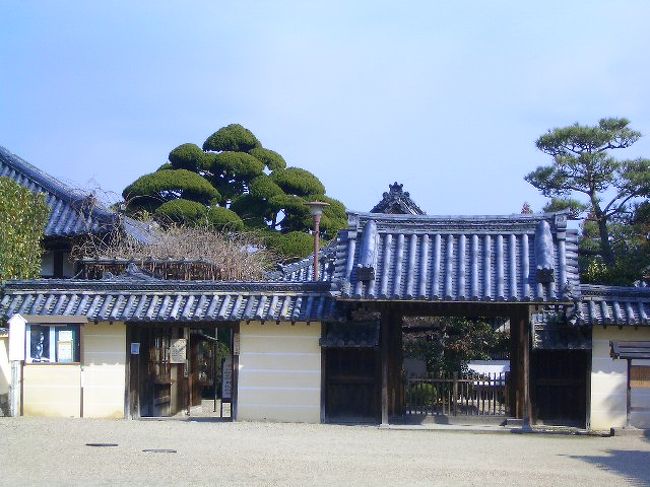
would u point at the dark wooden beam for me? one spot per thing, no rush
(514, 392)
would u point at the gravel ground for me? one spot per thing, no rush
(54, 452)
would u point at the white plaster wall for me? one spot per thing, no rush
(5, 370)
(104, 357)
(52, 390)
(279, 372)
(609, 381)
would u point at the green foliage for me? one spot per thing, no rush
(630, 245)
(252, 211)
(224, 219)
(424, 394)
(582, 165)
(187, 156)
(233, 137)
(290, 245)
(296, 212)
(230, 176)
(23, 217)
(236, 165)
(264, 188)
(151, 190)
(299, 182)
(271, 159)
(334, 216)
(575, 207)
(450, 342)
(181, 211)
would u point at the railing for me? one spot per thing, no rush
(457, 394)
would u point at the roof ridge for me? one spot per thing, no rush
(93, 212)
(607, 290)
(479, 218)
(43, 179)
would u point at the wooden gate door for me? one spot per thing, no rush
(352, 392)
(161, 384)
(559, 386)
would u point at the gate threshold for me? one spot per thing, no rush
(494, 429)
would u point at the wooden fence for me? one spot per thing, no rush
(466, 394)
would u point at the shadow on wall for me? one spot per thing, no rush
(631, 465)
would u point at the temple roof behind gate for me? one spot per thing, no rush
(521, 258)
(72, 212)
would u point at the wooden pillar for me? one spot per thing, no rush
(524, 403)
(513, 404)
(384, 358)
(396, 366)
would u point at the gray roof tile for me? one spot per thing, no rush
(476, 258)
(72, 213)
(169, 301)
(613, 305)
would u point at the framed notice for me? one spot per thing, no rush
(226, 379)
(135, 348)
(178, 351)
(64, 351)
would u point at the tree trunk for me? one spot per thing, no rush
(603, 232)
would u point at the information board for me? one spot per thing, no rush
(226, 379)
(178, 351)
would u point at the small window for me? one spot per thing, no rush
(53, 344)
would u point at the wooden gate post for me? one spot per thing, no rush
(523, 322)
(385, 342)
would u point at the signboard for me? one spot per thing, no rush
(64, 351)
(135, 348)
(235, 344)
(178, 351)
(226, 379)
(65, 335)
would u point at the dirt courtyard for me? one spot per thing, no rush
(54, 452)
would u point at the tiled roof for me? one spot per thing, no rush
(397, 201)
(72, 213)
(613, 305)
(144, 300)
(569, 327)
(525, 258)
(303, 270)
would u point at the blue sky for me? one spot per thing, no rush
(445, 97)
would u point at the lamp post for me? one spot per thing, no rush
(316, 209)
